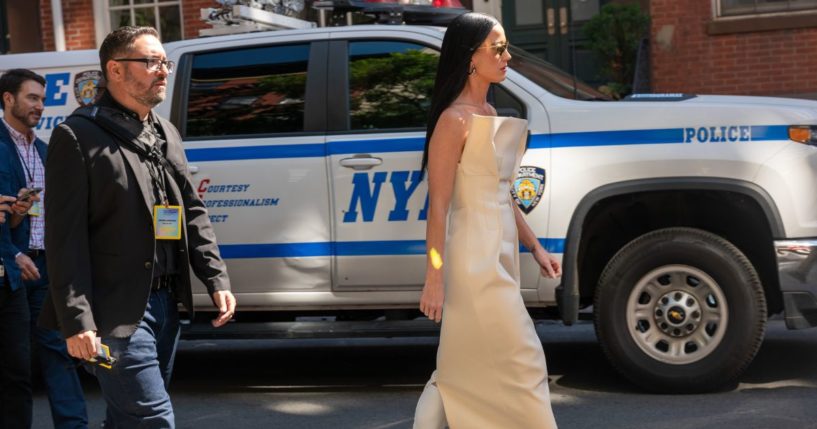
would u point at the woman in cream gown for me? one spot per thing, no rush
(491, 370)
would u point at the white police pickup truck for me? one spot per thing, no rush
(683, 221)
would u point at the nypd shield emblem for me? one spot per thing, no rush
(86, 85)
(528, 187)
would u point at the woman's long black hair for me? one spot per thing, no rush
(463, 37)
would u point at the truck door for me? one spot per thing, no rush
(376, 138)
(253, 123)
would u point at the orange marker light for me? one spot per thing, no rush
(800, 134)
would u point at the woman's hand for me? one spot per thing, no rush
(548, 265)
(431, 301)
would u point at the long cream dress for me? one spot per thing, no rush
(491, 370)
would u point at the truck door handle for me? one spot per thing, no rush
(192, 169)
(361, 162)
(563, 20)
(551, 16)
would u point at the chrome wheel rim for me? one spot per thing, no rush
(677, 314)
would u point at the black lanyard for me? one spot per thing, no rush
(156, 169)
(157, 164)
(24, 161)
(154, 157)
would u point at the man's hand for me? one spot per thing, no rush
(21, 207)
(82, 345)
(28, 270)
(225, 302)
(4, 207)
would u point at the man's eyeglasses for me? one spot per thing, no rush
(498, 48)
(153, 64)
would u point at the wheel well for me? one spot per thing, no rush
(615, 221)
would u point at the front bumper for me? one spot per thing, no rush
(797, 270)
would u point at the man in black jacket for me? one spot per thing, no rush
(124, 224)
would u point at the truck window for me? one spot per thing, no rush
(551, 78)
(505, 103)
(390, 84)
(248, 91)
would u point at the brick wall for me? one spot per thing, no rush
(47, 25)
(78, 18)
(191, 10)
(686, 59)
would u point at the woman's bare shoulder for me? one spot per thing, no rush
(456, 115)
(454, 121)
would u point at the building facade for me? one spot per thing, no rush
(750, 47)
(746, 47)
(35, 25)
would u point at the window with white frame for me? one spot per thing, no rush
(163, 15)
(755, 7)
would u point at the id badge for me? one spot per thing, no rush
(35, 209)
(167, 222)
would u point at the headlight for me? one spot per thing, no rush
(806, 134)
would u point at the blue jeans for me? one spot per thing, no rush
(15, 359)
(135, 388)
(59, 369)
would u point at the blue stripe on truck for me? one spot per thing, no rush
(415, 144)
(346, 248)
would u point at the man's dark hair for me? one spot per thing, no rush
(119, 42)
(12, 80)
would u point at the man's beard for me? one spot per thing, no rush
(148, 99)
(145, 97)
(19, 113)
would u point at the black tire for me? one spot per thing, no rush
(700, 269)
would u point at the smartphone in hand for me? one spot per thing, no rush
(27, 195)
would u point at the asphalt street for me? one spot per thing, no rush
(375, 383)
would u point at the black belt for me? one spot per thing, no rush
(162, 282)
(35, 253)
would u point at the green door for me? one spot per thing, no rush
(549, 28)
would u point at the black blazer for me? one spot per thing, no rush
(99, 230)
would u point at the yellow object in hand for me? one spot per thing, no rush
(436, 259)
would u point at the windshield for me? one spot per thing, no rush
(551, 78)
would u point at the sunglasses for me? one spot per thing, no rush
(498, 48)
